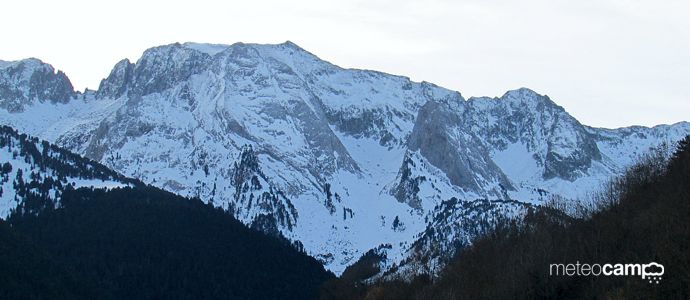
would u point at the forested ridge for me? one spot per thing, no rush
(146, 243)
(131, 241)
(34, 173)
(44, 156)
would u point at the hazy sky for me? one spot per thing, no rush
(610, 63)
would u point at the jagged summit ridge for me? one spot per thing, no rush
(563, 147)
(337, 155)
(26, 81)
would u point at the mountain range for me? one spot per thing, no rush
(340, 161)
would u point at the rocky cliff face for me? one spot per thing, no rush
(341, 160)
(24, 82)
(439, 137)
(562, 146)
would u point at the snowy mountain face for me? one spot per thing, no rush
(341, 160)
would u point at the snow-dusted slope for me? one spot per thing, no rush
(34, 173)
(342, 160)
(454, 224)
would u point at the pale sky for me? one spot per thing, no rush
(610, 63)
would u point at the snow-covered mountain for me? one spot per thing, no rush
(342, 160)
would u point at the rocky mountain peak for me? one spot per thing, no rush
(117, 82)
(524, 94)
(27, 81)
(561, 145)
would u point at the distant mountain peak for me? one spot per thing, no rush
(29, 80)
(522, 92)
(527, 96)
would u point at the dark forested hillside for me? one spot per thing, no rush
(643, 217)
(146, 243)
(28, 272)
(78, 230)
